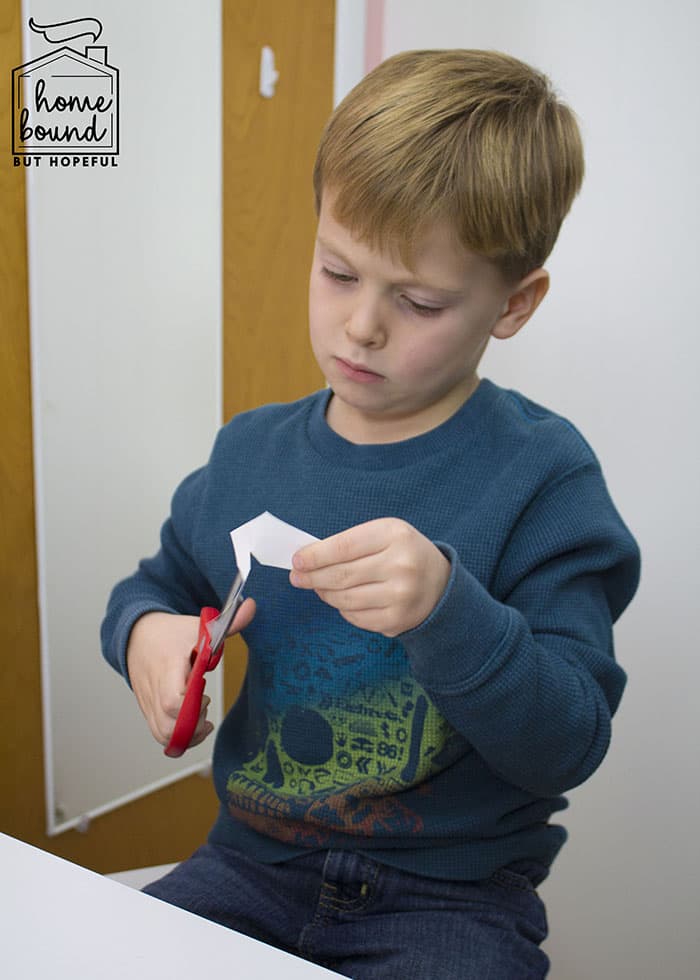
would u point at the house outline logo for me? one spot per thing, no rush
(66, 103)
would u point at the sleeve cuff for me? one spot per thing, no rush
(453, 649)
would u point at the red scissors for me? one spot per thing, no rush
(213, 627)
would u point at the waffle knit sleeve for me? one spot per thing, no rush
(525, 669)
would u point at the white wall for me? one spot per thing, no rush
(125, 290)
(615, 348)
(349, 61)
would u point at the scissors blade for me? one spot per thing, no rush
(219, 627)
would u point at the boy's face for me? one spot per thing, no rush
(399, 348)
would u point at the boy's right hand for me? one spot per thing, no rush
(158, 661)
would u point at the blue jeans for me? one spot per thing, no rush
(366, 920)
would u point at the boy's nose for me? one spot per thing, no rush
(365, 324)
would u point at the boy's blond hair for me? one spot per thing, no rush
(475, 137)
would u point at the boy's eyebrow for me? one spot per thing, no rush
(332, 248)
(446, 291)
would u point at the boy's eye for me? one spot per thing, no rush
(345, 278)
(337, 276)
(421, 309)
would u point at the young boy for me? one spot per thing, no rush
(438, 668)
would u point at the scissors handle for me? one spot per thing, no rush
(201, 661)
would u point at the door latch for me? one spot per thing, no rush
(268, 73)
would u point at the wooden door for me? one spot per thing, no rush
(268, 233)
(269, 220)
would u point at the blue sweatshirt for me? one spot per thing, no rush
(445, 750)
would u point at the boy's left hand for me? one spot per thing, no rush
(383, 576)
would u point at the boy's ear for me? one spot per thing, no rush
(522, 302)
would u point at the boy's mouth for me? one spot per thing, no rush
(357, 372)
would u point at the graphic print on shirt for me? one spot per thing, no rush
(336, 728)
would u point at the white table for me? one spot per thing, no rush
(60, 921)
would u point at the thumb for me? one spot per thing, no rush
(243, 617)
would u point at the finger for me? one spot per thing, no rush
(200, 735)
(357, 600)
(243, 616)
(344, 575)
(170, 704)
(154, 723)
(356, 542)
(203, 728)
(157, 733)
(162, 729)
(163, 724)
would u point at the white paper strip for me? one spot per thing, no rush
(270, 540)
